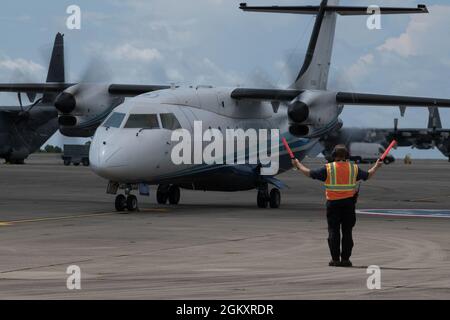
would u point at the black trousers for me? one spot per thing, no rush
(341, 215)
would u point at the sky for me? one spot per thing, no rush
(213, 42)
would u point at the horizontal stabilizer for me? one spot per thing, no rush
(342, 10)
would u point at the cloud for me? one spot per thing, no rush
(21, 66)
(129, 52)
(419, 38)
(415, 62)
(361, 67)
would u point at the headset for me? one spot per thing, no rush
(347, 154)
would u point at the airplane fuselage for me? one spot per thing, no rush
(137, 155)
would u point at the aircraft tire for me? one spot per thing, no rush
(120, 203)
(261, 200)
(275, 198)
(174, 195)
(132, 203)
(162, 195)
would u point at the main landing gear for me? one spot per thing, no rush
(128, 202)
(264, 198)
(169, 193)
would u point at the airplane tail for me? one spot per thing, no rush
(434, 119)
(316, 66)
(56, 69)
(315, 70)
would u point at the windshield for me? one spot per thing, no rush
(147, 121)
(169, 121)
(115, 120)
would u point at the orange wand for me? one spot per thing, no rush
(393, 143)
(286, 145)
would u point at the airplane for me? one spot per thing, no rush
(434, 136)
(132, 147)
(24, 129)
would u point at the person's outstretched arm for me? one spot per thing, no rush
(374, 169)
(297, 164)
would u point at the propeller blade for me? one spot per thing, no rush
(19, 97)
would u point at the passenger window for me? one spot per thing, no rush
(169, 121)
(142, 121)
(114, 120)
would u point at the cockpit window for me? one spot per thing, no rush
(142, 121)
(169, 121)
(114, 120)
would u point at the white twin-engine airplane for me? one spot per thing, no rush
(133, 147)
(127, 154)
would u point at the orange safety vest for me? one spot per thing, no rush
(341, 180)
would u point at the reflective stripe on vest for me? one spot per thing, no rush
(341, 180)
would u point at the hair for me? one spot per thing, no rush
(341, 152)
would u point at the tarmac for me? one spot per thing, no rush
(218, 245)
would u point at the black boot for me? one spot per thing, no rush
(346, 264)
(334, 263)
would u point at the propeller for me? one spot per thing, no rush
(96, 72)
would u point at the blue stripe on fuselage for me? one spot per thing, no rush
(201, 168)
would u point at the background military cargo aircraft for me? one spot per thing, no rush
(132, 147)
(434, 136)
(23, 129)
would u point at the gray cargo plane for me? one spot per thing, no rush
(132, 147)
(23, 129)
(434, 136)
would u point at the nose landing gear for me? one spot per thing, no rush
(128, 202)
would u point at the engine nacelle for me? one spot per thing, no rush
(77, 126)
(85, 100)
(311, 112)
(83, 107)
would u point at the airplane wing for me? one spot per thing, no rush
(125, 90)
(351, 98)
(265, 94)
(345, 98)
(10, 109)
(34, 87)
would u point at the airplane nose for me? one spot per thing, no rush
(105, 159)
(65, 102)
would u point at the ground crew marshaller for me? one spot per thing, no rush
(340, 179)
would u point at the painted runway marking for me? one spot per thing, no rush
(420, 213)
(13, 222)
